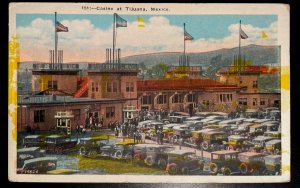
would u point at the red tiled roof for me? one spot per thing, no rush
(178, 84)
(249, 69)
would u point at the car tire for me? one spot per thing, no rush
(82, 151)
(149, 161)
(118, 154)
(226, 171)
(92, 153)
(205, 145)
(173, 170)
(185, 171)
(244, 168)
(213, 167)
(162, 163)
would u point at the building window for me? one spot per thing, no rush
(146, 100)
(52, 84)
(177, 98)
(262, 101)
(162, 99)
(225, 97)
(76, 113)
(110, 112)
(254, 103)
(39, 116)
(205, 103)
(93, 86)
(97, 87)
(111, 86)
(129, 86)
(242, 101)
(254, 84)
(115, 87)
(191, 97)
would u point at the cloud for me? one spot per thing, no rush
(85, 42)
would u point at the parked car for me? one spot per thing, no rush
(59, 143)
(156, 155)
(91, 146)
(28, 153)
(33, 141)
(273, 147)
(273, 134)
(123, 150)
(272, 164)
(38, 165)
(177, 119)
(183, 162)
(259, 143)
(239, 143)
(243, 129)
(140, 153)
(252, 163)
(257, 130)
(225, 162)
(213, 140)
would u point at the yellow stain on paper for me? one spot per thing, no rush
(286, 168)
(285, 77)
(13, 62)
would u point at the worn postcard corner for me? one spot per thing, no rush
(147, 93)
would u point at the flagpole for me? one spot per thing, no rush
(114, 37)
(184, 39)
(56, 39)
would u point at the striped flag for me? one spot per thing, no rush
(120, 22)
(140, 22)
(243, 35)
(187, 36)
(60, 27)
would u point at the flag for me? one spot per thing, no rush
(141, 22)
(120, 22)
(264, 35)
(243, 34)
(60, 27)
(187, 36)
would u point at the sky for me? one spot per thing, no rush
(90, 35)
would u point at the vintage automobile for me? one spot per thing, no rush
(91, 146)
(156, 155)
(123, 150)
(38, 165)
(224, 161)
(28, 153)
(177, 119)
(140, 153)
(257, 130)
(273, 147)
(33, 141)
(59, 143)
(183, 162)
(239, 143)
(180, 132)
(251, 113)
(194, 124)
(243, 129)
(259, 143)
(213, 140)
(272, 164)
(273, 134)
(252, 163)
(274, 115)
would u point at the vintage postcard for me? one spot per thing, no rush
(150, 93)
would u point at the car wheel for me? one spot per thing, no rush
(205, 145)
(255, 172)
(227, 171)
(149, 161)
(82, 151)
(118, 154)
(93, 153)
(185, 171)
(162, 163)
(173, 169)
(213, 167)
(243, 168)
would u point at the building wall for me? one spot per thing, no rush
(241, 80)
(27, 115)
(256, 100)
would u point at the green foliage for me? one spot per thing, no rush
(268, 83)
